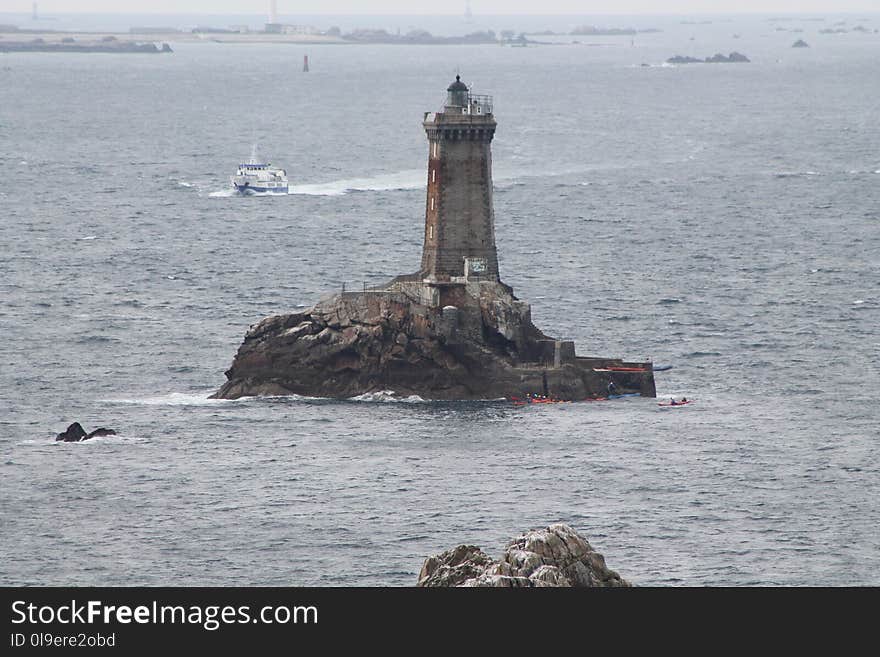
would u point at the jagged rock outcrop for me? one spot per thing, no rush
(75, 433)
(554, 556)
(479, 343)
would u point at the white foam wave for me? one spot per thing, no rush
(413, 179)
(38, 441)
(185, 184)
(97, 440)
(105, 440)
(222, 193)
(387, 396)
(171, 399)
(202, 399)
(796, 174)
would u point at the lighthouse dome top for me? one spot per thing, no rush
(458, 94)
(460, 100)
(458, 85)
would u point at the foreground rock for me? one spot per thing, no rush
(75, 433)
(554, 556)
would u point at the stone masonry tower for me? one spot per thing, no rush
(459, 217)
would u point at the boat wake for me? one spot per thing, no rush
(227, 193)
(399, 181)
(402, 180)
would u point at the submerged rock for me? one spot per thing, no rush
(800, 43)
(554, 556)
(75, 433)
(100, 432)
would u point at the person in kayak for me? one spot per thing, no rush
(612, 389)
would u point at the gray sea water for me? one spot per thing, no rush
(724, 220)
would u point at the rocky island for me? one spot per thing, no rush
(452, 329)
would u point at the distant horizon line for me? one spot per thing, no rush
(835, 12)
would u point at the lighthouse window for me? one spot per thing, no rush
(434, 146)
(433, 175)
(430, 232)
(432, 202)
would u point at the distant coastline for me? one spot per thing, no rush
(107, 44)
(137, 38)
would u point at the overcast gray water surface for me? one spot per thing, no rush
(723, 219)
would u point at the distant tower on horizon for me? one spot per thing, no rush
(305, 63)
(459, 215)
(468, 16)
(273, 11)
(35, 15)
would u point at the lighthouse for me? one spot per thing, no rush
(459, 216)
(450, 330)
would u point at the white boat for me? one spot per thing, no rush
(255, 177)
